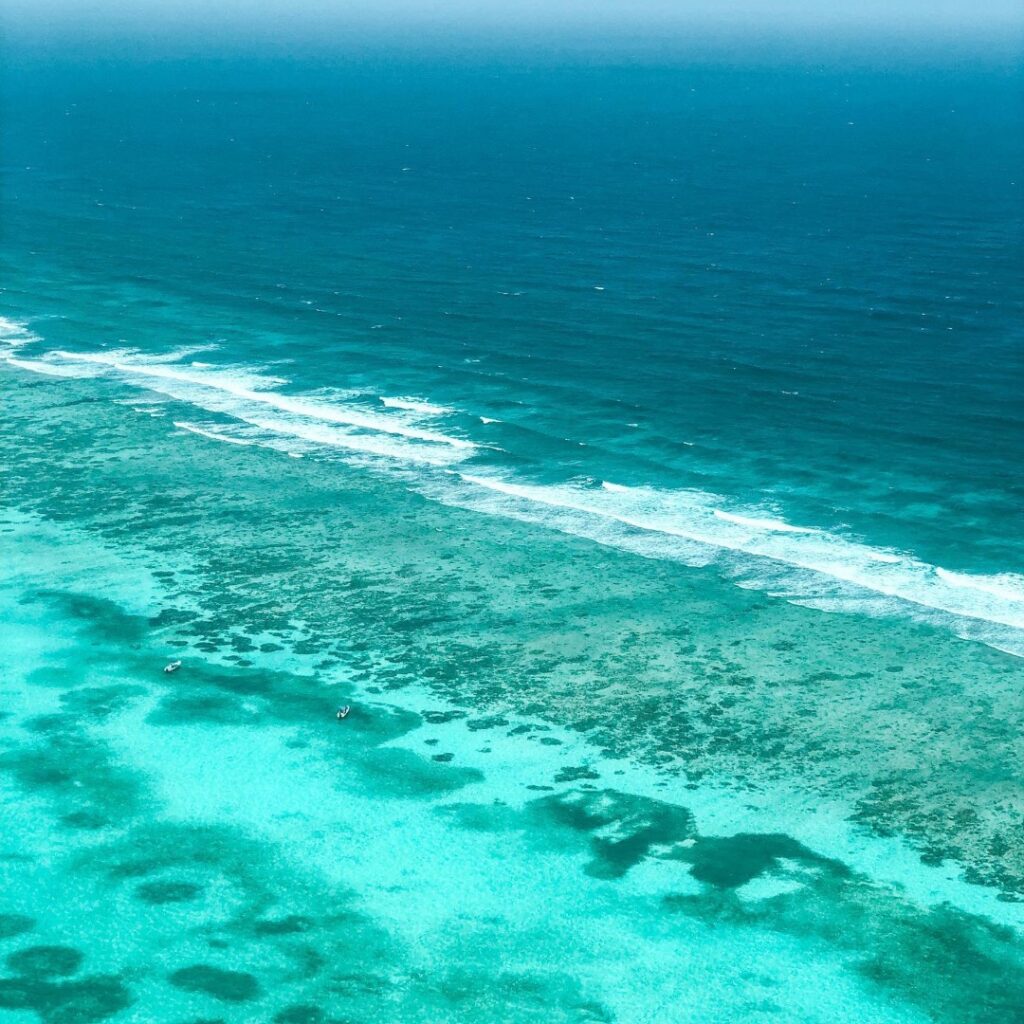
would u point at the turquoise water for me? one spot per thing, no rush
(635, 446)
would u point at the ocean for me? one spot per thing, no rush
(633, 442)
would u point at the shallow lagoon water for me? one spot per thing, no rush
(423, 861)
(223, 820)
(650, 723)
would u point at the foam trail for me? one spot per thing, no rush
(174, 355)
(14, 334)
(1004, 586)
(49, 369)
(415, 405)
(761, 524)
(753, 547)
(212, 435)
(883, 556)
(239, 394)
(221, 381)
(575, 500)
(363, 444)
(804, 565)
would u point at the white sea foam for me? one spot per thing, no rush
(1003, 586)
(49, 369)
(326, 436)
(211, 434)
(416, 405)
(14, 334)
(174, 355)
(486, 419)
(587, 501)
(210, 388)
(755, 548)
(804, 565)
(761, 524)
(247, 397)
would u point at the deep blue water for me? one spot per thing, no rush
(809, 274)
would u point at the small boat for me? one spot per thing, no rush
(173, 667)
(342, 713)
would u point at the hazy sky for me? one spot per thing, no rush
(166, 27)
(525, 13)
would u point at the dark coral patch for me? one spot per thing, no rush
(81, 1002)
(631, 826)
(99, 702)
(189, 709)
(103, 619)
(727, 862)
(15, 924)
(573, 774)
(86, 820)
(228, 986)
(440, 717)
(158, 893)
(172, 617)
(293, 924)
(491, 722)
(49, 675)
(23, 993)
(48, 723)
(70, 1002)
(70, 765)
(405, 774)
(300, 1014)
(45, 961)
(956, 968)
